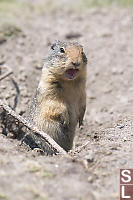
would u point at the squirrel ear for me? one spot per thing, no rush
(54, 44)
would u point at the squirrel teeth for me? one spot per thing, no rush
(71, 73)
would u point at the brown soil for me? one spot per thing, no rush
(93, 174)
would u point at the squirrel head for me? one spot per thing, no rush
(66, 60)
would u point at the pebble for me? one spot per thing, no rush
(90, 179)
(38, 66)
(120, 126)
(73, 35)
(2, 62)
(108, 153)
(114, 147)
(89, 157)
(3, 87)
(123, 162)
(21, 78)
(11, 135)
(37, 151)
(22, 68)
(125, 139)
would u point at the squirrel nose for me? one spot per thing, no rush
(75, 64)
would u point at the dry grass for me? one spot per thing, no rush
(106, 3)
(23, 8)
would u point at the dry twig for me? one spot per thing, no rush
(53, 145)
(79, 149)
(9, 71)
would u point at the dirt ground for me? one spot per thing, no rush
(93, 174)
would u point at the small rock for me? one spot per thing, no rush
(106, 34)
(21, 78)
(90, 179)
(2, 38)
(122, 162)
(115, 195)
(11, 136)
(116, 71)
(114, 147)
(73, 35)
(125, 139)
(108, 153)
(21, 42)
(38, 66)
(37, 151)
(89, 157)
(3, 87)
(2, 62)
(120, 126)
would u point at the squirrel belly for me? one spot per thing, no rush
(60, 100)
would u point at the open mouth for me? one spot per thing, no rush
(71, 73)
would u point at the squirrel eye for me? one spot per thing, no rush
(62, 50)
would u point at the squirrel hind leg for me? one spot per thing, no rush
(60, 134)
(64, 139)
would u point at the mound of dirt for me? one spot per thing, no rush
(93, 171)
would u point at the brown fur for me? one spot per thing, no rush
(61, 103)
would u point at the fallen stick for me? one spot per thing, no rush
(54, 146)
(6, 73)
(79, 149)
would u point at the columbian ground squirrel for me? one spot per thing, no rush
(60, 100)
